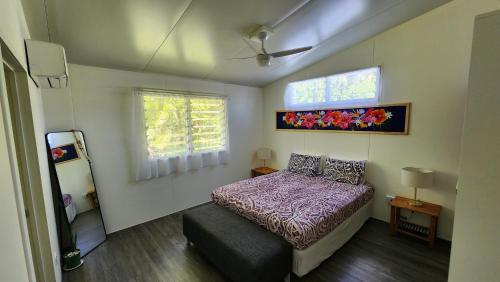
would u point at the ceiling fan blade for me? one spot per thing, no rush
(290, 52)
(243, 58)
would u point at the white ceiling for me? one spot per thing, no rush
(196, 38)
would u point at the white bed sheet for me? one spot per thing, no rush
(308, 259)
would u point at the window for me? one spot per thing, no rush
(360, 87)
(179, 125)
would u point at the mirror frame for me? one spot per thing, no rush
(59, 198)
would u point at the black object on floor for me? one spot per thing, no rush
(240, 249)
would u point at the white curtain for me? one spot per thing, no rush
(148, 167)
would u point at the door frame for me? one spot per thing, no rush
(24, 163)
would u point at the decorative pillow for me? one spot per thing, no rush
(304, 164)
(352, 172)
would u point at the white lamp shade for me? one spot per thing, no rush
(264, 154)
(417, 177)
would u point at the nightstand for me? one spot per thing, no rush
(427, 233)
(91, 196)
(263, 170)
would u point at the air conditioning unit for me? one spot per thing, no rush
(47, 64)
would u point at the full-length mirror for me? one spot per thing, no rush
(73, 171)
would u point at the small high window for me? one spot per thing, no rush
(354, 88)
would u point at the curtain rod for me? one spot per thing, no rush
(184, 92)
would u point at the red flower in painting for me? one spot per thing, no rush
(290, 118)
(337, 118)
(377, 116)
(308, 120)
(58, 153)
(331, 117)
(345, 120)
(380, 116)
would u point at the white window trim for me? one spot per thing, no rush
(336, 104)
(190, 149)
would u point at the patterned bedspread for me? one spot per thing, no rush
(300, 208)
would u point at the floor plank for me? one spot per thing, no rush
(157, 251)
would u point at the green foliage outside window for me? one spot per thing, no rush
(181, 124)
(350, 86)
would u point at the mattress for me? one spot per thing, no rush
(299, 208)
(307, 259)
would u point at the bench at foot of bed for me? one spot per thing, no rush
(240, 249)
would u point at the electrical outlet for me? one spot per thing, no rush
(389, 197)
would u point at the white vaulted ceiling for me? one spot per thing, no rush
(196, 38)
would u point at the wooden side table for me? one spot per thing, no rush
(427, 233)
(263, 170)
(92, 197)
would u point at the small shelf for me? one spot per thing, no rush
(413, 229)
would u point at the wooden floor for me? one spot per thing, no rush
(157, 251)
(89, 229)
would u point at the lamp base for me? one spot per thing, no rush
(415, 203)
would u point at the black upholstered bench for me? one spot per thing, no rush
(240, 249)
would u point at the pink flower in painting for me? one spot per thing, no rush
(308, 120)
(345, 120)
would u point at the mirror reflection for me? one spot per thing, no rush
(73, 170)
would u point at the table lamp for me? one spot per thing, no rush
(264, 154)
(416, 178)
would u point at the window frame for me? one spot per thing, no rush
(189, 147)
(335, 104)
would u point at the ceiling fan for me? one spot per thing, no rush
(263, 57)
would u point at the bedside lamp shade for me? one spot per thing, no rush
(264, 154)
(417, 178)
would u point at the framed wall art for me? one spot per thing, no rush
(383, 119)
(65, 153)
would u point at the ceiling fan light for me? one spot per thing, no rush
(263, 60)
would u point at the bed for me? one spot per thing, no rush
(314, 214)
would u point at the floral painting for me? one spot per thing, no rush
(382, 119)
(64, 153)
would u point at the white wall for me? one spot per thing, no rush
(98, 102)
(13, 31)
(475, 254)
(424, 61)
